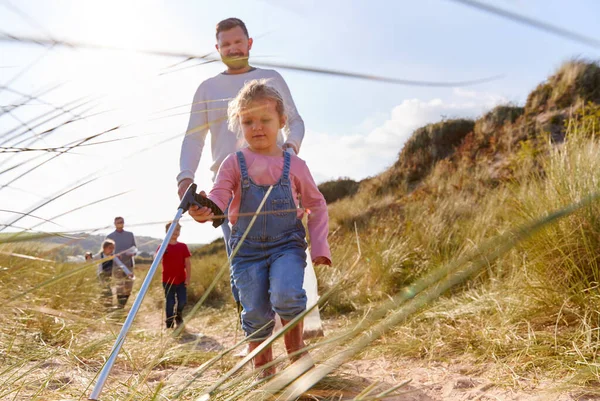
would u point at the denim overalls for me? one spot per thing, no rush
(268, 269)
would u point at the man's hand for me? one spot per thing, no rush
(131, 251)
(322, 260)
(288, 147)
(183, 186)
(200, 214)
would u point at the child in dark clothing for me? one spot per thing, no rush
(105, 270)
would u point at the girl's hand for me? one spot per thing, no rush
(200, 214)
(322, 260)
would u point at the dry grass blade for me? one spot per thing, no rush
(293, 67)
(57, 149)
(56, 279)
(188, 66)
(15, 166)
(368, 77)
(83, 207)
(393, 389)
(30, 215)
(29, 235)
(31, 141)
(47, 131)
(18, 255)
(23, 71)
(33, 97)
(80, 142)
(26, 17)
(25, 99)
(47, 113)
(188, 105)
(67, 109)
(185, 113)
(54, 198)
(366, 391)
(64, 148)
(521, 19)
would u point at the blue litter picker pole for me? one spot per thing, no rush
(190, 198)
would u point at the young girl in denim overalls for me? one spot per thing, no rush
(268, 269)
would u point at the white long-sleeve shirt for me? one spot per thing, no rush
(209, 112)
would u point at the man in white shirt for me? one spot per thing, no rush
(209, 110)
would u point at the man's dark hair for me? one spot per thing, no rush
(231, 23)
(119, 218)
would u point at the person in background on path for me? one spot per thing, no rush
(106, 270)
(268, 269)
(176, 274)
(125, 249)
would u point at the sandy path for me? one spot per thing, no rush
(429, 381)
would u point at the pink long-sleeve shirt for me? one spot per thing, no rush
(267, 170)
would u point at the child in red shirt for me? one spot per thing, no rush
(176, 272)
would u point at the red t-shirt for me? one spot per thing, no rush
(173, 263)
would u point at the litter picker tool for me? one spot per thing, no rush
(190, 198)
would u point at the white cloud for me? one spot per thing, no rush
(361, 155)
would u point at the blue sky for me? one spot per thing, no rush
(354, 128)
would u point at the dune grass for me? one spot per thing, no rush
(454, 265)
(530, 313)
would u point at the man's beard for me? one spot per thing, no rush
(236, 62)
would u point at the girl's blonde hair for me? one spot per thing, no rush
(257, 89)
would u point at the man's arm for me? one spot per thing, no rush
(122, 266)
(188, 271)
(294, 130)
(193, 142)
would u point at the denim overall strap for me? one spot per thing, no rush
(249, 202)
(243, 169)
(287, 161)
